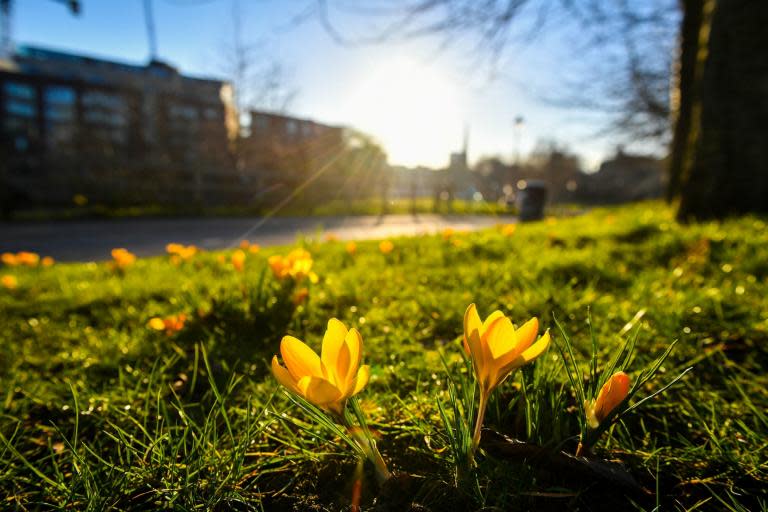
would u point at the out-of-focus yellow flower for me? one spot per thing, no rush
(47, 261)
(386, 246)
(179, 252)
(9, 282)
(80, 200)
(551, 221)
(331, 237)
(613, 392)
(248, 246)
(497, 348)
(170, 324)
(330, 379)
(351, 248)
(238, 260)
(156, 323)
(30, 259)
(457, 242)
(296, 265)
(508, 229)
(278, 265)
(9, 259)
(122, 258)
(448, 233)
(300, 296)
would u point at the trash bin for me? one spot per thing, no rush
(531, 198)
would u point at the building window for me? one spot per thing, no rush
(260, 123)
(291, 127)
(212, 114)
(20, 108)
(19, 91)
(183, 112)
(106, 114)
(183, 136)
(20, 118)
(60, 114)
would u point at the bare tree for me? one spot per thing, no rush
(719, 156)
(622, 50)
(260, 81)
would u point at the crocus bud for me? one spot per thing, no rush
(613, 392)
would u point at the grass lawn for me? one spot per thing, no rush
(101, 411)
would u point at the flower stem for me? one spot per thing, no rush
(479, 424)
(368, 447)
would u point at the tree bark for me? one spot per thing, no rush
(727, 170)
(682, 97)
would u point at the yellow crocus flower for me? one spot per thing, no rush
(279, 266)
(497, 348)
(613, 392)
(508, 229)
(238, 260)
(122, 258)
(297, 265)
(327, 380)
(9, 259)
(29, 259)
(9, 282)
(173, 248)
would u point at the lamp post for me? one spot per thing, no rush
(518, 131)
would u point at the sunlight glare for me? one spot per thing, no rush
(411, 109)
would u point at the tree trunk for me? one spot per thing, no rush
(727, 171)
(683, 94)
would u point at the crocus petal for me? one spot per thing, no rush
(318, 390)
(613, 392)
(528, 355)
(283, 376)
(526, 335)
(472, 322)
(341, 368)
(492, 318)
(361, 380)
(354, 342)
(300, 360)
(500, 337)
(332, 342)
(536, 349)
(480, 359)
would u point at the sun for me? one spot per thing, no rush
(412, 109)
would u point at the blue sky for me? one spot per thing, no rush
(414, 96)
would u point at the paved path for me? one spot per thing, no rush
(92, 240)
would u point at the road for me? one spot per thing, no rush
(92, 240)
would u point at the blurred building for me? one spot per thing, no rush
(282, 153)
(414, 182)
(281, 147)
(625, 177)
(72, 123)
